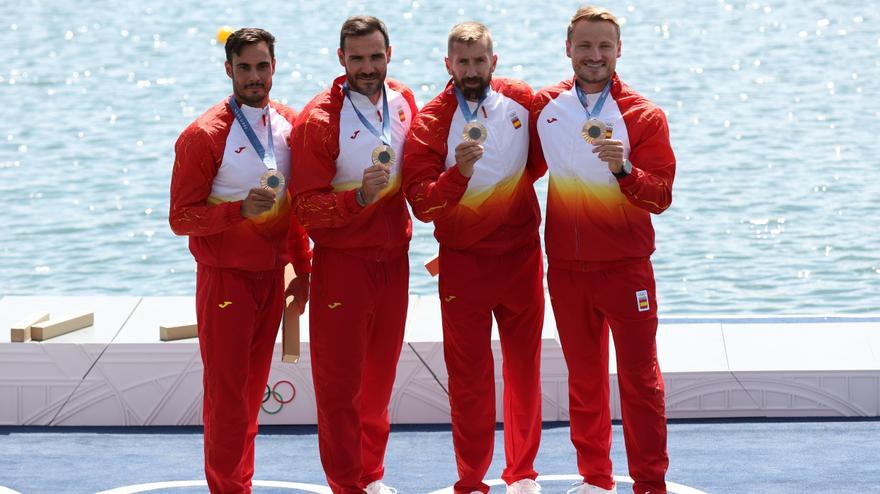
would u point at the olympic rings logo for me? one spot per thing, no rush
(278, 396)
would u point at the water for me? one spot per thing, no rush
(773, 109)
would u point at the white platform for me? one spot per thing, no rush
(118, 372)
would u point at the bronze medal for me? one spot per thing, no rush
(384, 155)
(272, 180)
(475, 132)
(593, 130)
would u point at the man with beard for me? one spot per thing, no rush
(346, 147)
(611, 165)
(467, 170)
(227, 194)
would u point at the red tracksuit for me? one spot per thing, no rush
(490, 263)
(599, 240)
(360, 283)
(240, 283)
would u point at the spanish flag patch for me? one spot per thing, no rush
(401, 115)
(642, 300)
(514, 119)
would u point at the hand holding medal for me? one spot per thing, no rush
(611, 152)
(376, 178)
(467, 153)
(257, 202)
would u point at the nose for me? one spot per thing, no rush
(367, 68)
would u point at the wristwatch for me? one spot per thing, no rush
(626, 170)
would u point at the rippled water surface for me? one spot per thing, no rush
(773, 108)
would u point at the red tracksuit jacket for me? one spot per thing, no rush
(591, 215)
(496, 209)
(330, 152)
(214, 168)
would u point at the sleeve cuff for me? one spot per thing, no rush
(629, 179)
(233, 212)
(456, 177)
(351, 203)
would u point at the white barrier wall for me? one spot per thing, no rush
(118, 372)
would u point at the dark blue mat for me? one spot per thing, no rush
(715, 457)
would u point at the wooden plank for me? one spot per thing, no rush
(21, 332)
(290, 350)
(178, 332)
(43, 331)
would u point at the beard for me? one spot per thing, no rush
(472, 88)
(248, 96)
(368, 86)
(593, 76)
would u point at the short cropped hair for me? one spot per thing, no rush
(361, 25)
(593, 13)
(248, 36)
(468, 32)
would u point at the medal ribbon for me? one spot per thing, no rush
(597, 108)
(385, 136)
(267, 159)
(469, 116)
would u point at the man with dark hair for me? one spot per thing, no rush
(228, 195)
(611, 166)
(346, 145)
(467, 171)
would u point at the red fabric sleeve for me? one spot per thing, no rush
(314, 148)
(298, 247)
(431, 189)
(649, 185)
(195, 166)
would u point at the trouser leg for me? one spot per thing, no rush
(583, 334)
(467, 330)
(226, 311)
(385, 338)
(641, 383)
(520, 319)
(340, 312)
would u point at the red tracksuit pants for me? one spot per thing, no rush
(238, 315)
(472, 289)
(585, 302)
(357, 316)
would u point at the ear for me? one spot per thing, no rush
(618, 48)
(273, 66)
(448, 65)
(568, 48)
(228, 69)
(388, 54)
(341, 55)
(494, 63)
